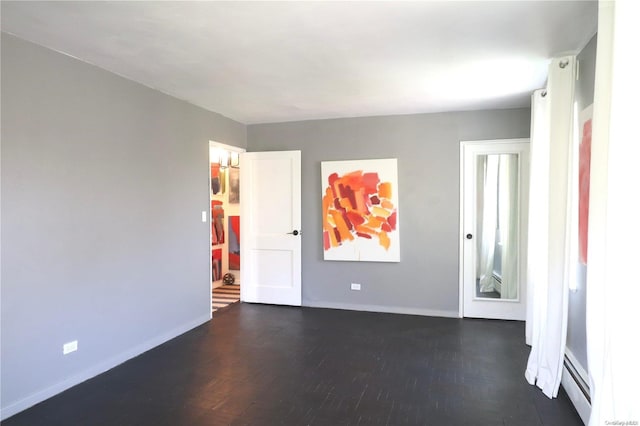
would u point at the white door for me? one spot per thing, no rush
(493, 228)
(270, 237)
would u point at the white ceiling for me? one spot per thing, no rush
(259, 62)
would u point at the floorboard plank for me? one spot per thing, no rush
(270, 365)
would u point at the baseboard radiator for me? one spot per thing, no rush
(497, 282)
(574, 382)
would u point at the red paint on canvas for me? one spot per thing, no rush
(325, 239)
(355, 219)
(392, 219)
(357, 204)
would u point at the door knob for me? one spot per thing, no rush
(294, 232)
(469, 236)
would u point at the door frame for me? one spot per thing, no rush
(524, 196)
(214, 144)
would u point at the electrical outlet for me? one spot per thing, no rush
(67, 348)
(355, 286)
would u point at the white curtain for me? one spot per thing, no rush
(549, 286)
(508, 214)
(613, 289)
(538, 232)
(489, 223)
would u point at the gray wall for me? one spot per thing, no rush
(576, 321)
(427, 147)
(103, 182)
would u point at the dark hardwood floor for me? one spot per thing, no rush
(268, 365)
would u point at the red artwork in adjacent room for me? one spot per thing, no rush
(217, 179)
(217, 222)
(583, 184)
(234, 243)
(216, 264)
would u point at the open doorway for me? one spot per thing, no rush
(224, 191)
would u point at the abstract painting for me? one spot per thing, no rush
(216, 264)
(360, 210)
(234, 185)
(586, 118)
(218, 179)
(234, 243)
(217, 222)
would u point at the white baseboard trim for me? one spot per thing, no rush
(384, 309)
(35, 398)
(575, 393)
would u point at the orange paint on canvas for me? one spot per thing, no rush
(365, 230)
(362, 201)
(384, 240)
(379, 211)
(356, 205)
(341, 226)
(345, 203)
(386, 204)
(327, 200)
(375, 222)
(384, 190)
